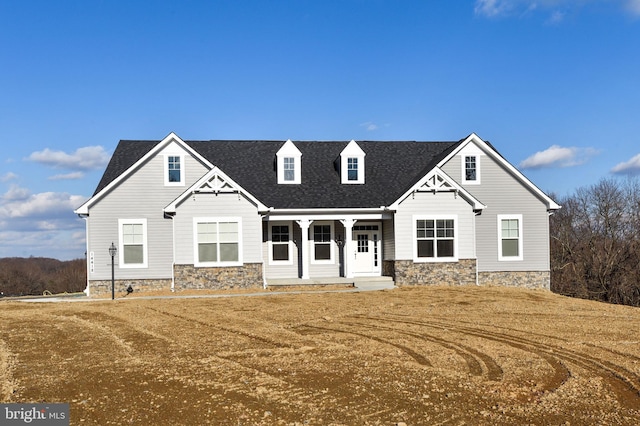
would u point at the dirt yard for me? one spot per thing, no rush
(420, 356)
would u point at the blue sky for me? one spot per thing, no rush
(553, 84)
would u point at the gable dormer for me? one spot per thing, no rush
(289, 164)
(352, 164)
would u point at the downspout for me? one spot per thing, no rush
(173, 255)
(87, 256)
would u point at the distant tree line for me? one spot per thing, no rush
(595, 243)
(38, 275)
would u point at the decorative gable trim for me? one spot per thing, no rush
(485, 147)
(83, 210)
(438, 181)
(352, 164)
(289, 164)
(215, 181)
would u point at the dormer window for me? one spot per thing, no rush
(289, 169)
(289, 164)
(352, 169)
(352, 164)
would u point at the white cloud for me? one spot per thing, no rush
(68, 176)
(630, 167)
(555, 8)
(8, 176)
(633, 6)
(558, 156)
(87, 158)
(369, 126)
(19, 203)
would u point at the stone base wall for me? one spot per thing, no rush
(188, 277)
(406, 272)
(103, 287)
(527, 279)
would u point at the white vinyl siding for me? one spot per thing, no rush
(142, 195)
(427, 205)
(223, 207)
(502, 193)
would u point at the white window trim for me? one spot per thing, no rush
(145, 247)
(414, 238)
(290, 243)
(166, 169)
(289, 150)
(352, 150)
(463, 160)
(312, 252)
(520, 256)
(218, 219)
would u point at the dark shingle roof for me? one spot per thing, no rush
(391, 168)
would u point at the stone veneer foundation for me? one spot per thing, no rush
(526, 279)
(102, 287)
(406, 272)
(188, 277)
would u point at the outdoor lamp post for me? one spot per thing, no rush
(112, 251)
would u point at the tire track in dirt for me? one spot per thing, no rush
(419, 358)
(624, 384)
(472, 357)
(265, 340)
(282, 390)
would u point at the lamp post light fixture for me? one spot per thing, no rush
(112, 251)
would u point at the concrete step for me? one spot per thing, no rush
(374, 283)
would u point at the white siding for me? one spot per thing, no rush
(427, 203)
(504, 194)
(142, 195)
(217, 205)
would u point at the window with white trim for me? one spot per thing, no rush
(352, 166)
(352, 169)
(322, 243)
(281, 244)
(174, 170)
(510, 237)
(470, 168)
(217, 241)
(133, 243)
(435, 239)
(289, 164)
(289, 169)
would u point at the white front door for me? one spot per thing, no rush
(366, 256)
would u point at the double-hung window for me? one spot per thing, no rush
(133, 243)
(510, 237)
(352, 169)
(281, 244)
(174, 170)
(217, 241)
(435, 239)
(470, 168)
(322, 248)
(289, 169)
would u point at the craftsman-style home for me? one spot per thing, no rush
(241, 214)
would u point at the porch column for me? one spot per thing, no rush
(304, 246)
(348, 244)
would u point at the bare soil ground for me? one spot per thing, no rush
(421, 356)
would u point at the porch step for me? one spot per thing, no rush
(374, 283)
(363, 283)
